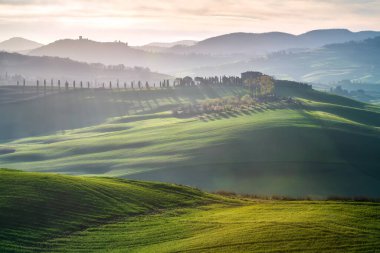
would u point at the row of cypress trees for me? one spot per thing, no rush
(81, 84)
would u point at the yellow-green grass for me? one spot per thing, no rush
(42, 212)
(36, 207)
(262, 226)
(326, 146)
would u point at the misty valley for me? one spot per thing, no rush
(193, 138)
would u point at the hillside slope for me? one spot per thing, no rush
(212, 52)
(262, 43)
(356, 61)
(36, 207)
(165, 46)
(18, 44)
(114, 53)
(29, 112)
(42, 212)
(34, 68)
(327, 145)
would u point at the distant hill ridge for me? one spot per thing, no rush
(224, 49)
(32, 67)
(18, 44)
(172, 44)
(120, 53)
(261, 43)
(354, 60)
(158, 47)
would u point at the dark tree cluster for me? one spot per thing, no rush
(208, 81)
(258, 83)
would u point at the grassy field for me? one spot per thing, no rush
(55, 213)
(326, 146)
(35, 207)
(31, 112)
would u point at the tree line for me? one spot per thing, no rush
(257, 83)
(80, 84)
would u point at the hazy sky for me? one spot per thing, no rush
(142, 21)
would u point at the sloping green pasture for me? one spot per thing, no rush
(326, 145)
(42, 212)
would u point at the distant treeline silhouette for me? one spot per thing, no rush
(258, 83)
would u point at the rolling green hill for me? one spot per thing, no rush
(326, 145)
(36, 207)
(42, 212)
(29, 112)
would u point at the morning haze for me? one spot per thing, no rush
(177, 126)
(141, 22)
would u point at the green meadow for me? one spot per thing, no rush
(323, 146)
(116, 171)
(326, 145)
(43, 212)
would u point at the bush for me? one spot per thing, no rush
(246, 99)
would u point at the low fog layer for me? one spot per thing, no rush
(16, 67)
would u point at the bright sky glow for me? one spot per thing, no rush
(143, 21)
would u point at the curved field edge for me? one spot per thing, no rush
(263, 226)
(319, 148)
(55, 213)
(35, 207)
